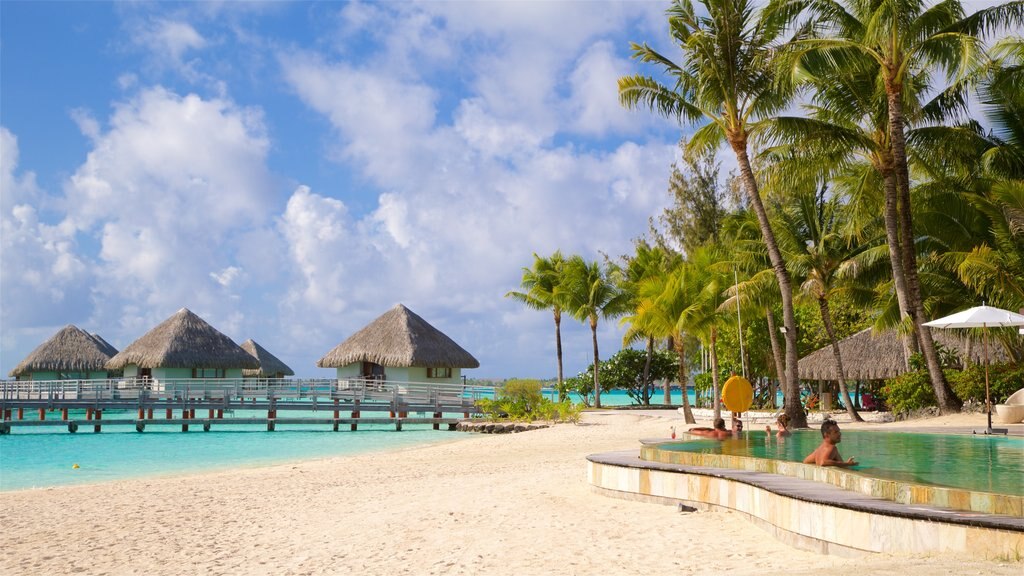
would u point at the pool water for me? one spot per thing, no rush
(978, 463)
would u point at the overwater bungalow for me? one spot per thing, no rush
(402, 347)
(183, 346)
(270, 365)
(70, 354)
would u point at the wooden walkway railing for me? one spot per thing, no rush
(222, 397)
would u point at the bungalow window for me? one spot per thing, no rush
(439, 372)
(208, 373)
(72, 376)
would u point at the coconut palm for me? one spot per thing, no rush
(540, 290)
(908, 41)
(658, 304)
(725, 85)
(588, 293)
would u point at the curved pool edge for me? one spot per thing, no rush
(809, 515)
(896, 491)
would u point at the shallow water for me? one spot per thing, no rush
(978, 463)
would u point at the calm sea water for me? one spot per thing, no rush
(43, 457)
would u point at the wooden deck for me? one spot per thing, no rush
(176, 402)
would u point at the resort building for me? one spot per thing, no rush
(70, 354)
(270, 365)
(399, 346)
(183, 346)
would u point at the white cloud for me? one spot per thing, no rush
(168, 189)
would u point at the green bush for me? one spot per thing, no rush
(523, 400)
(910, 391)
(969, 384)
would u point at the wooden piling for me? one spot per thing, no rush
(437, 425)
(63, 413)
(42, 413)
(99, 416)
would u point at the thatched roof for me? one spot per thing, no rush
(183, 341)
(868, 356)
(270, 365)
(69, 350)
(399, 338)
(104, 345)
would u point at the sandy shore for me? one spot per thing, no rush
(484, 504)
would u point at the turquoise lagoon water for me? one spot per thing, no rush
(43, 457)
(37, 457)
(973, 462)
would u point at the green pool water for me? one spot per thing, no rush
(977, 463)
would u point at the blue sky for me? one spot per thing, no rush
(290, 171)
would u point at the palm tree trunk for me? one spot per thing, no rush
(647, 373)
(947, 400)
(826, 319)
(676, 343)
(558, 351)
(717, 400)
(793, 408)
(773, 337)
(597, 364)
(892, 236)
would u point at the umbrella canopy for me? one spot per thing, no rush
(982, 317)
(979, 317)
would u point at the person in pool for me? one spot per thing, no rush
(827, 454)
(718, 432)
(783, 422)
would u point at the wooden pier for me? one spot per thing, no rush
(208, 403)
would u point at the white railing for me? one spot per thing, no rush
(351, 389)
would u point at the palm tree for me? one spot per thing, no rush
(908, 41)
(818, 250)
(705, 278)
(540, 284)
(659, 302)
(588, 294)
(726, 83)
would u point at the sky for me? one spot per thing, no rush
(291, 171)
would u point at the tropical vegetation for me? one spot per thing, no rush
(881, 202)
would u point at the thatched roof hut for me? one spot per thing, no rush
(104, 345)
(69, 350)
(270, 365)
(399, 338)
(183, 341)
(868, 356)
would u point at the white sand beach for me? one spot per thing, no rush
(484, 504)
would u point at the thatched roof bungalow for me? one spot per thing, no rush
(868, 356)
(270, 365)
(399, 346)
(183, 346)
(70, 354)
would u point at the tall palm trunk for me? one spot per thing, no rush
(676, 343)
(826, 319)
(646, 396)
(793, 408)
(773, 337)
(947, 400)
(558, 350)
(892, 236)
(717, 400)
(597, 364)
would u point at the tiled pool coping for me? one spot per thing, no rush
(901, 492)
(809, 514)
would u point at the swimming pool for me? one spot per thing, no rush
(978, 473)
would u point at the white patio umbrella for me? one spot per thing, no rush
(980, 317)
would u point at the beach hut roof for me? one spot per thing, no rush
(183, 341)
(104, 345)
(868, 356)
(270, 365)
(69, 350)
(399, 338)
